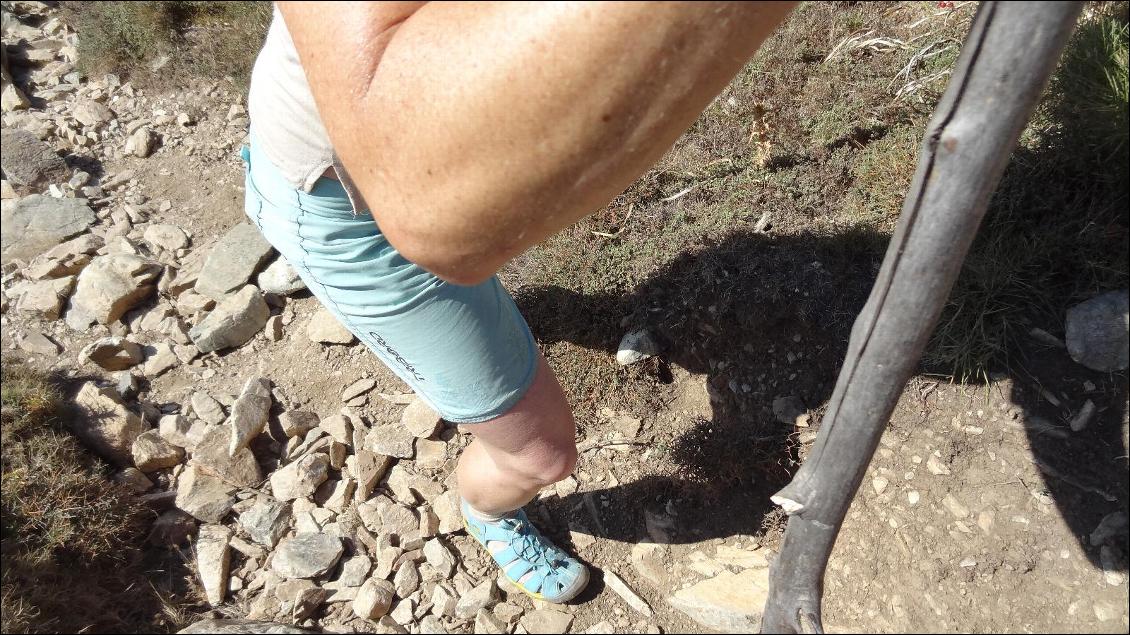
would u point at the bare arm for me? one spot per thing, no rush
(476, 130)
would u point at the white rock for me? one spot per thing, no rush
(636, 346)
(213, 559)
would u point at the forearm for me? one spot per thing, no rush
(484, 128)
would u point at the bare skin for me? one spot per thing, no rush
(476, 130)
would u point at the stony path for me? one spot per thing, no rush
(315, 490)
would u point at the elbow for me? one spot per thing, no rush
(447, 259)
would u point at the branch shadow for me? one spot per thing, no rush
(764, 317)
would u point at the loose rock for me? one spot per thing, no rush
(249, 413)
(113, 353)
(374, 598)
(280, 278)
(203, 496)
(729, 602)
(301, 478)
(207, 408)
(306, 555)
(46, 298)
(420, 420)
(546, 621)
(106, 424)
(267, 521)
(636, 346)
(167, 237)
(34, 224)
(482, 596)
(152, 453)
(211, 454)
(233, 260)
(296, 423)
(29, 162)
(233, 322)
(213, 559)
(1098, 332)
(109, 286)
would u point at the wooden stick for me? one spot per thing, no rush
(1007, 59)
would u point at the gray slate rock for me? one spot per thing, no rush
(306, 555)
(233, 260)
(267, 521)
(29, 162)
(34, 224)
(1098, 332)
(249, 413)
(233, 322)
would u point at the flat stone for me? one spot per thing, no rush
(203, 496)
(446, 507)
(65, 259)
(1098, 332)
(113, 353)
(439, 557)
(159, 358)
(486, 622)
(301, 478)
(47, 297)
(443, 601)
(546, 621)
(267, 521)
(237, 256)
(621, 588)
(636, 346)
(234, 321)
(420, 420)
(483, 595)
(249, 413)
(34, 341)
(296, 423)
(358, 388)
(341, 493)
(180, 431)
(109, 286)
(371, 467)
(729, 602)
(430, 454)
(280, 278)
(207, 408)
(306, 555)
(241, 627)
(391, 440)
(91, 113)
(339, 428)
(324, 328)
(211, 455)
(354, 571)
(213, 561)
(106, 425)
(374, 599)
(165, 236)
(152, 453)
(29, 162)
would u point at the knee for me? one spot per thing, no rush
(546, 461)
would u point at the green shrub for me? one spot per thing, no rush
(184, 40)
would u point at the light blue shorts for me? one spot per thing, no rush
(466, 351)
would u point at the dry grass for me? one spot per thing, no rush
(72, 542)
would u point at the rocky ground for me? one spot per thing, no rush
(309, 487)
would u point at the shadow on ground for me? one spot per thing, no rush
(765, 316)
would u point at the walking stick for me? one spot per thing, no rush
(1010, 53)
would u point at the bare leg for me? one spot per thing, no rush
(517, 454)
